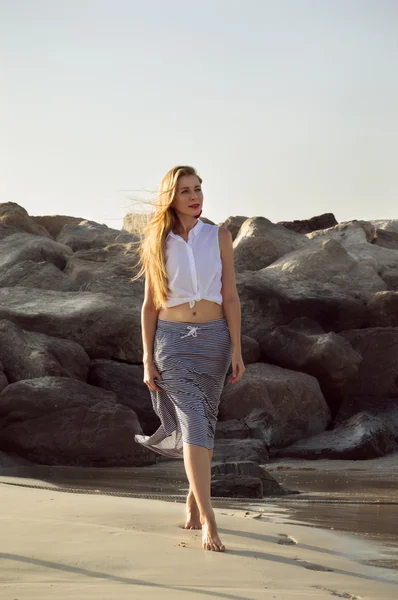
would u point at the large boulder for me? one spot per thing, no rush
(387, 239)
(43, 275)
(54, 223)
(26, 355)
(269, 300)
(250, 350)
(3, 378)
(303, 346)
(284, 405)
(26, 247)
(242, 479)
(383, 260)
(61, 421)
(360, 437)
(377, 374)
(14, 218)
(307, 225)
(87, 235)
(226, 449)
(328, 263)
(9, 461)
(384, 408)
(98, 264)
(260, 242)
(126, 382)
(233, 224)
(103, 327)
(382, 310)
(347, 233)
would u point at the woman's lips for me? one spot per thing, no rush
(194, 206)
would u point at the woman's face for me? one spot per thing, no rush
(188, 199)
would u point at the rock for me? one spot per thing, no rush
(243, 479)
(54, 223)
(21, 247)
(377, 374)
(269, 300)
(134, 222)
(285, 405)
(14, 218)
(233, 224)
(126, 382)
(386, 224)
(255, 450)
(387, 239)
(27, 355)
(383, 260)
(9, 461)
(390, 277)
(43, 275)
(260, 243)
(87, 235)
(110, 264)
(250, 350)
(230, 487)
(331, 265)
(206, 220)
(386, 409)
(347, 233)
(303, 346)
(382, 310)
(61, 421)
(237, 429)
(3, 378)
(103, 327)
(363, 436)
(323, 221)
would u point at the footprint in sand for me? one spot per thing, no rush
(338, 594)
(312, 566)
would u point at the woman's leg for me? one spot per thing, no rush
(197, 467)
(193, 514)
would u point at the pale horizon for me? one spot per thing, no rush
(288, 109)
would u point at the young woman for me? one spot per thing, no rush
(191, 334)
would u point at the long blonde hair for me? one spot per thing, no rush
(152, 259)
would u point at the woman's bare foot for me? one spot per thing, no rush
(210, 537)
(193, 516)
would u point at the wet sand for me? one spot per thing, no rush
(371, 531)
(58, 545)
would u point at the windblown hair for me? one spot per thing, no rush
(152, 260)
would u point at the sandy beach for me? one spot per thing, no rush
(55, 545)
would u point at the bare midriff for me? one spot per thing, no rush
(203, 311)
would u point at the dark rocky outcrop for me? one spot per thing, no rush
(260, 242)
(243, 479)
(307, 225)
(27, 355)
(95, 321)
(284, 405)
(360, 437)
(319, 339)
(61, 421)
(126, 382)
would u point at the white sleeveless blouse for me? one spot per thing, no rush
(194, 268)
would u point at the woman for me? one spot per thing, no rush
(191, 332)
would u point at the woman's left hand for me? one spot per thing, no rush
(238, 368)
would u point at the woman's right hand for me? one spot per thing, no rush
(150, 374)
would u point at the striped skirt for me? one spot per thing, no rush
(193, 360)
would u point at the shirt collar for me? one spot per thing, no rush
(195, 230)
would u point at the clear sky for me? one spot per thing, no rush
(288, 108)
